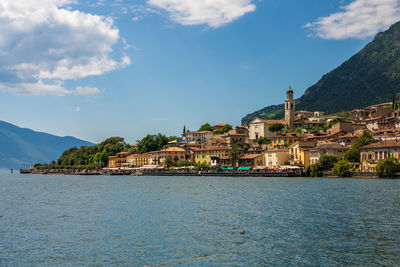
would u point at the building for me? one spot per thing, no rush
(204, 155)
(119, 160)
(276, 158)
(159, 157)
(372, 124)
(300, 153)
(218, 126)
(252, 160)
(326, 149)
(289, 109)
(371, 154)
(138, 160)
(259, 128)
(286, 139)
(199, 136)
(349, 138)
(232, 138)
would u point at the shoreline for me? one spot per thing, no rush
(194, 174)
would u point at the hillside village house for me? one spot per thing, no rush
(349, 138)
(158, 157)
(232, 138)
(259, 128)
(373, 153)
(300, 153)
(204, 155)
(334, 149)
(218, 126)
(198, 136)
(252, 160)
(283, 140)
(276, 157)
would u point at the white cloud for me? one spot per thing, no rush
(86, 91)
(44, 43)
(214, 13)
(77, 109)
(359, 19)
(40, 88)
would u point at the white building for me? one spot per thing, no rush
(199, 136)
(259, 128)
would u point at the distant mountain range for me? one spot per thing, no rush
(20, 146)
(371, 76)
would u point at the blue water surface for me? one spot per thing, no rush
(197, 221)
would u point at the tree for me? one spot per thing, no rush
(365, 139)
(276, 127)
(152, 143)
(314, 170)
(184, 129)
(206, 127)
(352, 155)
(342, 168)
(202, 165)
(169, 162)
(183, 163)
(224, 129)
(97, 154)
(264, 140)
(327, 162)
(235, 153)
(387, 167)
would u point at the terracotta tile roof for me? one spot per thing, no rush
(123, 153)
(219, 125)
(272, 121)
(174, 149)
(382, 144)
(329, 145)
(277, 150)
(251, 156)
(210, 148)
(373, 119)
(198, 132)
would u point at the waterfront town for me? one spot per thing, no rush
(297, 142)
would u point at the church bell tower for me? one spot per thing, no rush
(289, 108)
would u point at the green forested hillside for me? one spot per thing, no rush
(371, 76)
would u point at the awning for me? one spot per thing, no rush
(226, 168)
(244, 168)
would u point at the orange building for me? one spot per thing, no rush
(118, 160)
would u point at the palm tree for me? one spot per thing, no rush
(235, 153)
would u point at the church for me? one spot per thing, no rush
(260, 127)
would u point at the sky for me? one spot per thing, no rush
(101, 68)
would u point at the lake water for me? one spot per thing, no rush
(210, 221)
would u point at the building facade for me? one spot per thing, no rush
(259, 128)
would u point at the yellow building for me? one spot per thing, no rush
(137, 160)
(203, 155)
(299, 153)
(284, 140)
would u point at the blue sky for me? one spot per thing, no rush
(94, 69)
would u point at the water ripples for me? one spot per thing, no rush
(125, 221)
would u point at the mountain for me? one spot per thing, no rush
(371, 76)
(20, 146)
